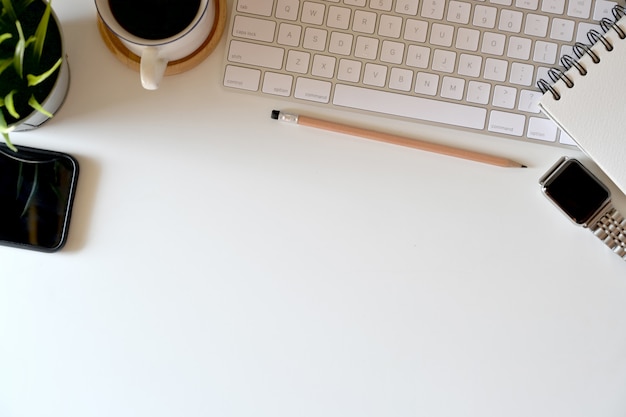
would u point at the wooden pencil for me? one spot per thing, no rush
(395, 139)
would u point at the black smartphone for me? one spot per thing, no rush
(37, 189)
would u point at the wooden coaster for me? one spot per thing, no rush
(174, 67)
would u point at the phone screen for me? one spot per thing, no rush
(37, 190)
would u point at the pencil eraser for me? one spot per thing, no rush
(275, 114)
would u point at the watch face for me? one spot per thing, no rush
(576, 191)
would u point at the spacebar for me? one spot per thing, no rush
(408, 106)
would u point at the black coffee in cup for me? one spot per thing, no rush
(154, 19)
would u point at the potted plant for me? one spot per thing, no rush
(34, 76)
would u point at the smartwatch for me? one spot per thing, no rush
(586, 201)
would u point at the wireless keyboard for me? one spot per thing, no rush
(464, 64)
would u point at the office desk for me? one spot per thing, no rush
(220, 263)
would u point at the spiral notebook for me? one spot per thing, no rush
(587, 97)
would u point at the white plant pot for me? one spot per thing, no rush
(57, 95)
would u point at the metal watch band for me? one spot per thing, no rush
(611, 229)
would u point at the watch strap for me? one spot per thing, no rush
(611, 229)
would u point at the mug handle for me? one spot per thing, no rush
(152, 68)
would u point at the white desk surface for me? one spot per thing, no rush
(220, 263)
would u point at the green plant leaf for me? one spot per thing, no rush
(8, 8)
(9, 104)
(4, 130)
(40, 33)
(36, 79)
(32, 102)
(29, 41)
(18, 61)
(7, 140)
(5, 36)
(5, 63)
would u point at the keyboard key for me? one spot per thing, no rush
(258, 7)
(536, 25)
(495, 69)
(566, 139)
(408, 7)
(504, 97)
(527, 4)
(375, 75)
(412, 107)
(366, 48)
(452, 88)
(313, 13)
(287, 9)
(478, 92)
(364, 22)
(521, 74)
(510, 21)
(427, 83)
(254, 54)
(542, 129)
(470, 65)
(602, 9)
(506, 123)
(338, 17)
(416, 30)
(298, 62)
(485, 16)
(390, 26)
(392, 52)
(553, 6)
(562, 29)
(418, 56)
(384, 5)
(459, 12)
(277, 84)
(528, 101)
(242, 78)
(255, 29)
(582, 29)
(433, 9)
(349, 70)
(340, 43)
(400, 79)
(441, 35)
(519, 48)
(289, 35)
(444, 61)
(493, 43)
(467, 39)
(579, 8)
(313, 90)
(315, 39)
(545, 52)
(323, 66)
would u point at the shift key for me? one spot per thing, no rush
(255, 54)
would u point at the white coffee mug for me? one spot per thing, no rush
(156, 53)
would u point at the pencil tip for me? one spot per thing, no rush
(524, 166)
(275, 114)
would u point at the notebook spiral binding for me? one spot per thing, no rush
(580, 49)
